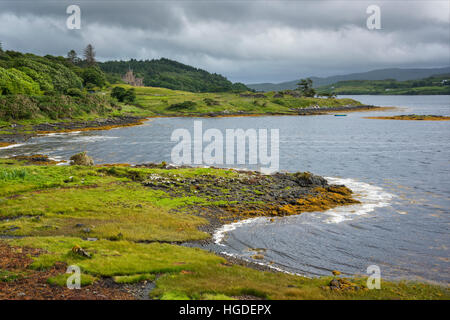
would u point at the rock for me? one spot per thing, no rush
(80, 251)
(81, 159)
(79, 225)
(335, 272)
(87, 230)
(306, 179)
(335, 283)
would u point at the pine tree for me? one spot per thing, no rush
(72, 56)
(89, 55)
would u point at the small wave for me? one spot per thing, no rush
(56, 134)
(220, 233)
(12, 146)
(92, 138)
(371, 197)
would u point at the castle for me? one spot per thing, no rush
(132, 80)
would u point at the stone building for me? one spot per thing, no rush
(131, 79)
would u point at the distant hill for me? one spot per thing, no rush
(171, 74)
(380, 74)
(437, 84)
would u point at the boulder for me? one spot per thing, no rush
(306, 179)
(81, 159)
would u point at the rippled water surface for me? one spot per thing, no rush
(398, 169)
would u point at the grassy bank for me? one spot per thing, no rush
(123, 224)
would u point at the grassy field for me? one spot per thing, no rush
(150, 102)
(56, 208)
(161, 101)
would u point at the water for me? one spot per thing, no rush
(398, 169)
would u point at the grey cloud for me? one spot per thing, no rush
(244, 40)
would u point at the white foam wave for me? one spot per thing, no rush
(12, 146)
(56, 134)
(92, 138)
(370, 196)
(220, 233)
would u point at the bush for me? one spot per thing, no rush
(211, 102)
(75, 92)
(13, 81)
(123, 95)
(94, 77)
(186, 105)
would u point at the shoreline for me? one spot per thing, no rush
(15, 136)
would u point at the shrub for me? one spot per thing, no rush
(186, 105)
(123, 95)
(211, 102)
(93, 76)
(75, 92)
(13, 81)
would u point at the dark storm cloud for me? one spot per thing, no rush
(244, 40)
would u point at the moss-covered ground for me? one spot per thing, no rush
(125, 224)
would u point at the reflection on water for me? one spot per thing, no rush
(399, 169)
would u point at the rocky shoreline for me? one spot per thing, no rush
(249, 194)
(17, 133)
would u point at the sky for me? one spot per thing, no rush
(246, 41)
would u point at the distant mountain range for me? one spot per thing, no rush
(380, 74)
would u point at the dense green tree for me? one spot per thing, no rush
(89, 55)
(130, 96)
(305, 88)
(170, 74)
(118, 93)
(13, 81)
(93, 76)
(123, 95)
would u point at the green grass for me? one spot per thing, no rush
(9, 276)
(117, 258)
(61, 280)
(46, 207)
(170, 102)
(235, 281)
(135, 278)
